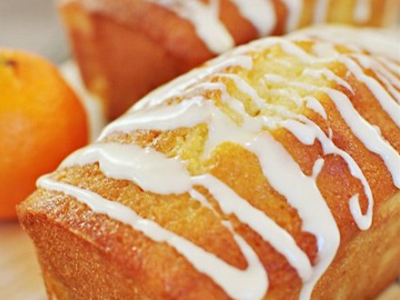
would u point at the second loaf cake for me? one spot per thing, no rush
(126, 48)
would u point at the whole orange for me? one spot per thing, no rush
(41, 121)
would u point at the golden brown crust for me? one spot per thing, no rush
(377, 260)
(126, 48)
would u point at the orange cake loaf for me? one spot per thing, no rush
(271, 173)
(126, 48)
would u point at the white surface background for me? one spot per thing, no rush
(33, 25)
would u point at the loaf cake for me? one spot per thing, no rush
(270, 173)
(126, 48)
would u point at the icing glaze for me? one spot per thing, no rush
(376, 41)
(316, 106)
(121, 163)
(150, 169)
(366, 133)
(205, 19)
(176, 86)
(282, 171)
(141, 166)
(363, 130)
(321, 7)
(204, 16)
(392, 66)
(329, 75)
(185, 114)
(392, 90)
(362, 10)
(307, 133)
(322, 50)
(386, 73)
(295, 8)
(385, 99)
(260, 13)
(210, 29)
(282, 241)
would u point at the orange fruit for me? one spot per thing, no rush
(41, 122)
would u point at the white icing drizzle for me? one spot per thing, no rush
(295, 9)
(382, 71)
(388, 104)
(330, 133)
(260, 13)
(203, 200)
(122, 163)
(393, 67)
(385, 67)
(363, 130)
(316, 106)
(385, 99)
(321, 8)
(245, 88)
(184, 114)
(239, 284)
(389, 85)
(329, 75)
(376, 41)
(317, 168)
(292, 49)
(362, 10)
(205, 19)
(391, 81)
(311, 102)
(307, 133)
(323, 49)
(237, 58)
(283, 172)
(284, 63)
(210, 29)
(176, 86)
(231, 203)
(151, 170)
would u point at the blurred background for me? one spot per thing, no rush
(33, 25)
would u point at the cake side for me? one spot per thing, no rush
(270, 132)
(77, 266)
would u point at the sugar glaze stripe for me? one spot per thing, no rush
(260, 13)
(364, 131)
